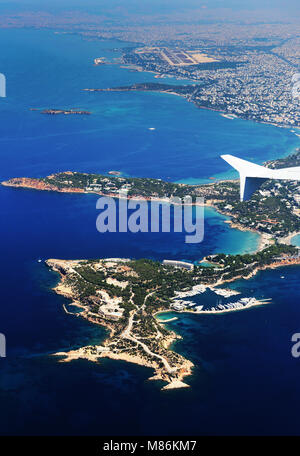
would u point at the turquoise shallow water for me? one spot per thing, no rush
(296, 240)
(245, 380)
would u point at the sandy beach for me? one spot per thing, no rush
(288, 239)
(265, 238)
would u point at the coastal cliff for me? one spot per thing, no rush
(38, 184)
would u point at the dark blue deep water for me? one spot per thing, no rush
(245, 380)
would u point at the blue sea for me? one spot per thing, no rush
(245, 380)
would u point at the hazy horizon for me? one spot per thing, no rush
(147, 6)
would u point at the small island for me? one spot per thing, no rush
(65, 112)
(114, 173)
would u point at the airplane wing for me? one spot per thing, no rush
(252, 176)
(248, 168)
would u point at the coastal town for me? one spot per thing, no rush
(254, 82)
(234, 98)
(241, 68)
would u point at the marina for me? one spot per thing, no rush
(225, 292)
(180, 304)
(243, 303)
(196, 289)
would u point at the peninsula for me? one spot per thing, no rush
(230, 107)
(125, 295)
(235, 80)
(274, 209)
